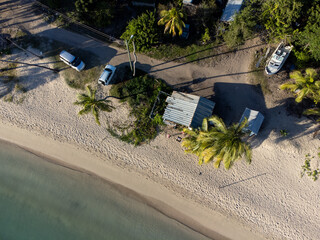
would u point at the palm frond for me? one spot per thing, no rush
(312, 111)
(218, 123)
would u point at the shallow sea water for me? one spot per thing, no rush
(41, 200)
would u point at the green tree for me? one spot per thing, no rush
(304, 86)
(218, 143)
(279, 17)
(95, 12)
(172, 20)
(144, 29)
(91, 104)
(242, 27)
(309, 38)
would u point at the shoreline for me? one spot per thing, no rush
(154, 195)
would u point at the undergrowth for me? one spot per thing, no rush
(140, 93)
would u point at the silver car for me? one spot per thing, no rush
(107, 74)
(72, 61)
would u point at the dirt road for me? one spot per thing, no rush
(231, 69)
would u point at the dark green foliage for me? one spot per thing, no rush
(303, 59)
(145, 31)
(97, 13)
(309, 37)
(141, 92)
(243, 25)
(280, 16)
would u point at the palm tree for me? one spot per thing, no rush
(172, 20)
(91, 104)
(304, 86)
(190, 143)
(312, 111)
(218, 143)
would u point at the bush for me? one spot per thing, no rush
(145, 31)
(241, 28)
(98, 13)
(141, 92)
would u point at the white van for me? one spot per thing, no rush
(72, 61)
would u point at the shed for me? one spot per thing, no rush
(255, 120)
(187, 110)
(232, 7)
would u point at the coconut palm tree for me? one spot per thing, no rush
(190, 143)
(218, 143)
(91, 104)
(172, 20)
(304, 86)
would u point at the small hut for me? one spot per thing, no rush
(255, 120)
(187, 109)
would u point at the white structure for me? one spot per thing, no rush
(232, 7)
(255, 120)
(278, 57)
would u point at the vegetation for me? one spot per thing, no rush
(141, 93)
(95, 12)
(306, 168)
(172, 19)
(284, 132)
(309, 37)
(279, 15)
(243, 26)
(145, 32)
(218, 143)
(304, 86)
(89, 104)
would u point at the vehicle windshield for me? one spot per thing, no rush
(76, 62)
(109, 73)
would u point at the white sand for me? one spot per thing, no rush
(266, 199)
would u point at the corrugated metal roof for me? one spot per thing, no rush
(186, 109)
(255, 120)
(232, 7)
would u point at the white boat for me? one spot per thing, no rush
(278, 57)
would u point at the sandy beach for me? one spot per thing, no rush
(264, 200)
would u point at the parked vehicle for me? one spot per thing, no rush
(278, 57)
(107, 74)
(72, 61)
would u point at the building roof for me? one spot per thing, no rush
(255, 120)
(232, 7)
(187, 110)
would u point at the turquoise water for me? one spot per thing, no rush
(42, 200)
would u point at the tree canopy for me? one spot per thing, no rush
(218, 143)
(172, 19)
(145, 31)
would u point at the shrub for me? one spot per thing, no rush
(145, 31)
(141, 92)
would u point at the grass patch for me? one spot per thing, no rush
(257, 73)
(9, 73)
(140, 93)
(8, 98)
(183, 52)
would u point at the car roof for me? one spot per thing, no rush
(68, 56)
(105, 74)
